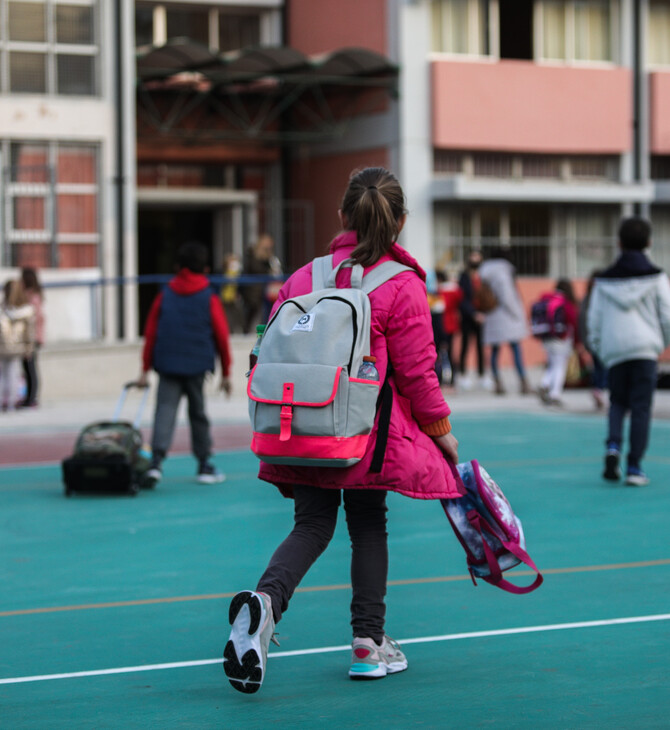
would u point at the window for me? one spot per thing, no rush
(516, 29)
(52, 205)
(658, 33)
(49, 47)
(192, 24)
(660, 167)
(595, 238)
(222, 29)
(576, 30)
(460, 26)
(238, 30)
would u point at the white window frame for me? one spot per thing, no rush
(570, 60)
(474, 20)
(50, 48)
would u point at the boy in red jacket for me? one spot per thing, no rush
(185, 329)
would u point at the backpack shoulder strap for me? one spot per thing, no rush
(322, 267)
(382, 274)
(324, 274)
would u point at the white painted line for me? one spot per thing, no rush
(346, 647)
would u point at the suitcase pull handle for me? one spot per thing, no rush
(122, 400)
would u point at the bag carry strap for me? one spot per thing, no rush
(384, 406)
(324, 274)
(495, 578)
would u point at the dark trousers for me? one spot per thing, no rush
(31, 378)
(632, 385)
(315, 518)
(171, 388)
(471, 328)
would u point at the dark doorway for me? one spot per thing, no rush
(160, 231)
(516, 29)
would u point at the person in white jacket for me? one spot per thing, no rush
(17, 339)
(628, 324)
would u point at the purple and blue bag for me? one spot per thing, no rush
(488, 529)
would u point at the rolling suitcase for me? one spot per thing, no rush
(108, 456)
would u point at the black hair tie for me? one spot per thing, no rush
(372, 187)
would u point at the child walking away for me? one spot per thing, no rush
(35, 297)
(628, 325)
(554, 321)
(185, 328)
(401, 342)
(17, 339)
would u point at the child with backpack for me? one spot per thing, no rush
(554, 321)
(419, 435)
(185, 329)
(17, 339)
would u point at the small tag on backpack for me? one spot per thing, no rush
(304, 324)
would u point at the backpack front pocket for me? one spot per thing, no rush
(309, 414)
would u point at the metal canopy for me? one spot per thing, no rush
(272, 95)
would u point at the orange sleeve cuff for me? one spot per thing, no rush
(439, 428)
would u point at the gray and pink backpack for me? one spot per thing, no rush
(307, 403)
(488, 529)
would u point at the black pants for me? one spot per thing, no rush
(315, 518)
(31, 378)
(632, 384)
(471, 328)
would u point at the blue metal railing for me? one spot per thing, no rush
(95, 286)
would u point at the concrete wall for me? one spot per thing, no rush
(523, 106)
(659, 116)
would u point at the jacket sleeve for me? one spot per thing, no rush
(150, 331)
(221, 333)
(664, 308)
(594, 321)
(409, 337)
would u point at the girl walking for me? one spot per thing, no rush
(372, 215)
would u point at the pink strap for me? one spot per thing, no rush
(286, 413)
(495, 578)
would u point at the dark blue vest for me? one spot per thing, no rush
(185, 338)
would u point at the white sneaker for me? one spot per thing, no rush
(464, 383)
(635, 477)
(487, 382)
(246, 653)
(370, 660)
(209, 474)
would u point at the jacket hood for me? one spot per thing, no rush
(348, 239)
(187, 282)
(627, 293)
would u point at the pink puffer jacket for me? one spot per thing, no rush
(401, 331)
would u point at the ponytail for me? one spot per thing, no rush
(373, 205)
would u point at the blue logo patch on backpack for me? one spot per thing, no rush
(548, 317)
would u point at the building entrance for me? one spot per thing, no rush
(159, 234)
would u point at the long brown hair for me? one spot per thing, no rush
(373, 205)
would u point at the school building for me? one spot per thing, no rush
(127, 127)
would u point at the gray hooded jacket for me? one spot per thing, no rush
(629, 316)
